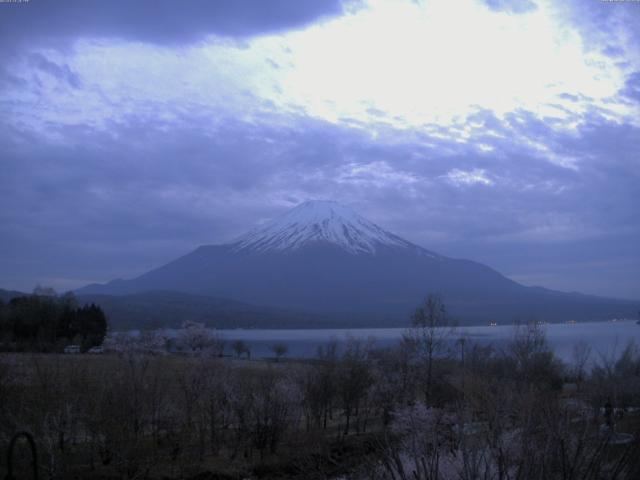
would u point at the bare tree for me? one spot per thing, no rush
(427, 336)
(271, 413)
(240, 348)
(354, 379)
(580, 355)
(532, 358)
(318, 385)
(217, 345)
(279, 350)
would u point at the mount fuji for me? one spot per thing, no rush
(321, 257)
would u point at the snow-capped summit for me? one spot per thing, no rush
(319, 221)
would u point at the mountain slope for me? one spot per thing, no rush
(156, 309)
(321, 257)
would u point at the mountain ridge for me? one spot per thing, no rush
(322, 257)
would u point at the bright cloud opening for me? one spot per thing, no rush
(434, 62)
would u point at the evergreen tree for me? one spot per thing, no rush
(43, 322)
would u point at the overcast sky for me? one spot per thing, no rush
(507, 132)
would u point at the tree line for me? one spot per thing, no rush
(46, 322)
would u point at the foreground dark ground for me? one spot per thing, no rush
(412, 412)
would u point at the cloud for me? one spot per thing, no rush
(512, 6)
(333, 70)
(632, 87)
(476, 176)
(605, 27)
(42, 24)
(60, 72)
(157, 21)
(374, 174)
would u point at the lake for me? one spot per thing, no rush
(606, 339)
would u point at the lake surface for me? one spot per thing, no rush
(606, 339)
